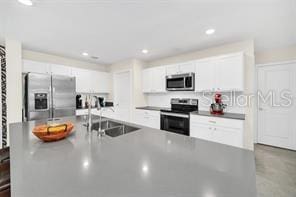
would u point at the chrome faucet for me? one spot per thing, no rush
(101, 132)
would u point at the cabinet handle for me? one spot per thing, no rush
(215, 129)
(211, 121)
(210, 128)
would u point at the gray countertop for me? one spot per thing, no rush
(225, 115)
(147, 162)
(201, 113)
(152, 108)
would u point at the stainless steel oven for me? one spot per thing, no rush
(177, 119)
(175, 122)
(181, 82)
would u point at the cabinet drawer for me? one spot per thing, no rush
(223, 122)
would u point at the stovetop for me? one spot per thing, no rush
(178, 111)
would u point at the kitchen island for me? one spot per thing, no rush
(147, 162)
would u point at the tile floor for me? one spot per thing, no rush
(275, 171)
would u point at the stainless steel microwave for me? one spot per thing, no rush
(180, 82)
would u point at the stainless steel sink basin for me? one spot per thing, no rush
(114, 129)
(106, 124)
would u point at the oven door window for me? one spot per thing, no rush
(175, 124)
(175, 83)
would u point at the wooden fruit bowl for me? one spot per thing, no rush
(50, 133)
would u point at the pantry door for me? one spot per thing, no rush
(276, 118)
(122, 95)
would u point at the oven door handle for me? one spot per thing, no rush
(175, 114)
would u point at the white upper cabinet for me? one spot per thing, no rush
(100, 82)
(204, 76)
(83, 82)
(172, 69)
(60, 70)
(90, 81)
(158, 79)
(153, 80)
(36, 67)
(225, 73)
(230, 73)
(146, 77)
(186, 67)
(87, 81)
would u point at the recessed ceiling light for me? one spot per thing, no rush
(85, 54)
(210, 31)
(26, 2)
(145, 51)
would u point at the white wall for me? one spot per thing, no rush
(136, 67)
(14, 81)
(55, 59)
(276, 55)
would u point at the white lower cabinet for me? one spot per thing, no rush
(147, 118)
(220, 130)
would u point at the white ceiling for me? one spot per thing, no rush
(115, 30)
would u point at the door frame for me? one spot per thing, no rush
(258, 66)
(130, 71)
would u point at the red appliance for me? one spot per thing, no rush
(218, 107)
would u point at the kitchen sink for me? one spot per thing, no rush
(113, 129)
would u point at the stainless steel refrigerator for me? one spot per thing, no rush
(49, 96)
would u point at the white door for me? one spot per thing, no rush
(122, 95)
(276, 124)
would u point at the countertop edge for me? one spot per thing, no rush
(235, 116)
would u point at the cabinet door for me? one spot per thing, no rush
(230, 73)
(60, 70)
(172, 69)
(36, 67)
(157, 79)
(140, 117)
(201, 131)
(146, 83)
(154, 122)
(105, 82)
(83, 82)
(228, 136)
(187, 67)
(205, 76)
(95, 82)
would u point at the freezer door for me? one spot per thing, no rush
(63, 95)
(38, 96)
